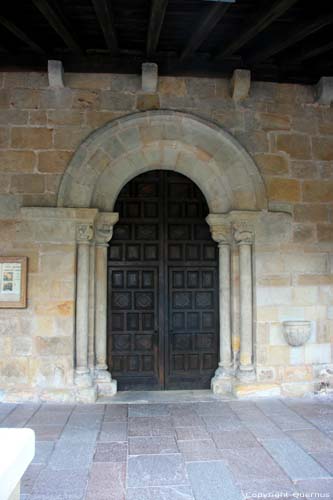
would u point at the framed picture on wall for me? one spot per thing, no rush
(13, 282)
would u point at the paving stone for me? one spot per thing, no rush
(147, 410)
(221, 424)
(203, 449)
(155, 470)
(212, 481)
(312, 440)
(47, 432)
(116, 413)
(290, 421)
(270, 488)
(150, 426)
(113, 431)
(49, 418)
(160, 493)
(61, 482)
(85, 421)
(43, 452)
(265, 429)
(89, 408)
(322, 488)
(106, 482)
(325, 459)
(78, 434)
(111, 452)
(158, 445)
(293, 460)
(191, 433)
(234, 440)
(72, 455)
(188, 420)
(214, 409)
(29, 477)
(256, 464)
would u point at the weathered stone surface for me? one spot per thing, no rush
(283, 189)
(240, 84)
(172, 86)
(147, 101)
(27, 183)
(273, 121)
(53, 161)
(296, 145)
(55, 72)
(322, 148)
(31, 138)
(317, 191)
(272, 164)
(158, 470)
(17, 161)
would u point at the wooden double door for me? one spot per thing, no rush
(162, 286)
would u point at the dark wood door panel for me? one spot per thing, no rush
(163, 290)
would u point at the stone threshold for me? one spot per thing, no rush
(148, 397)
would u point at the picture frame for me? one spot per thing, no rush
(13, 282)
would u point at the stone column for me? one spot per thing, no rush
(84, 234)
(221, 382)
(244, 239)
(104, 231)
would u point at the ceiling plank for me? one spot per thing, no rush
(21, 35)
(308, 53)
(106, 21)
(296, 34)
(206, 26)
(157, 13)
(257, 24)
(58, 24)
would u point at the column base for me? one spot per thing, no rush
(102, 375)
(82, 378)
(256, 390)
(223, 380)
(86, 394)
(106, 389)
(246, 373)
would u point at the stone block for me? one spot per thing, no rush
(270, 164)
(56, 98)
(37, 117)
(147, 101)
(325, 232)
(296, 145)
(17, 161)
(24, 98)
(54, 346)
(53, 161)
(113, 101)
(149, 77)
(240, 84)
(63, 117)
(273, 121)
(278, 355)
(14, 117)
(256, 390)
(14, 370)
(4, 183)
(324, 90)
(172, 86)
(21, 346)
(88, 80)
(55, 72)
(304, 233)
(283, 189)
(27, 183)
(85, 99)
(70, 137)
(322, 148)
(314, 279)
(310, 212)
(318, 353)
(95, 119)
(317, 191)
(31, 138)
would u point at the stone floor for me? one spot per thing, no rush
(179, 450)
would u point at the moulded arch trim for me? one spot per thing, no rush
(172, 140)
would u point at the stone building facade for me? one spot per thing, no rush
(265, 167)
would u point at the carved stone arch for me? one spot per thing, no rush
(122, 149)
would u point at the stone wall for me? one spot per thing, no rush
(290, 138)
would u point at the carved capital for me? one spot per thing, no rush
(84, 233)
(104, 227)
(243, 237)
(219, 228)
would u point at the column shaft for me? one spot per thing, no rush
(101, 307)
(82, 312)
(224, 298)
(246, 341)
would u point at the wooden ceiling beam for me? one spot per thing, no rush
(157, 13)
(58, 24)
(290, 38)
(21, 35)
(308, 53)
(106, 21)
(204, 28)
(255, 26)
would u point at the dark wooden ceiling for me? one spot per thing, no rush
(278, 40)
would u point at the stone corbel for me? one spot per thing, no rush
(104, 227)
(84, 232)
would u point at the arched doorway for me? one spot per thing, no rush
(163, 286)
